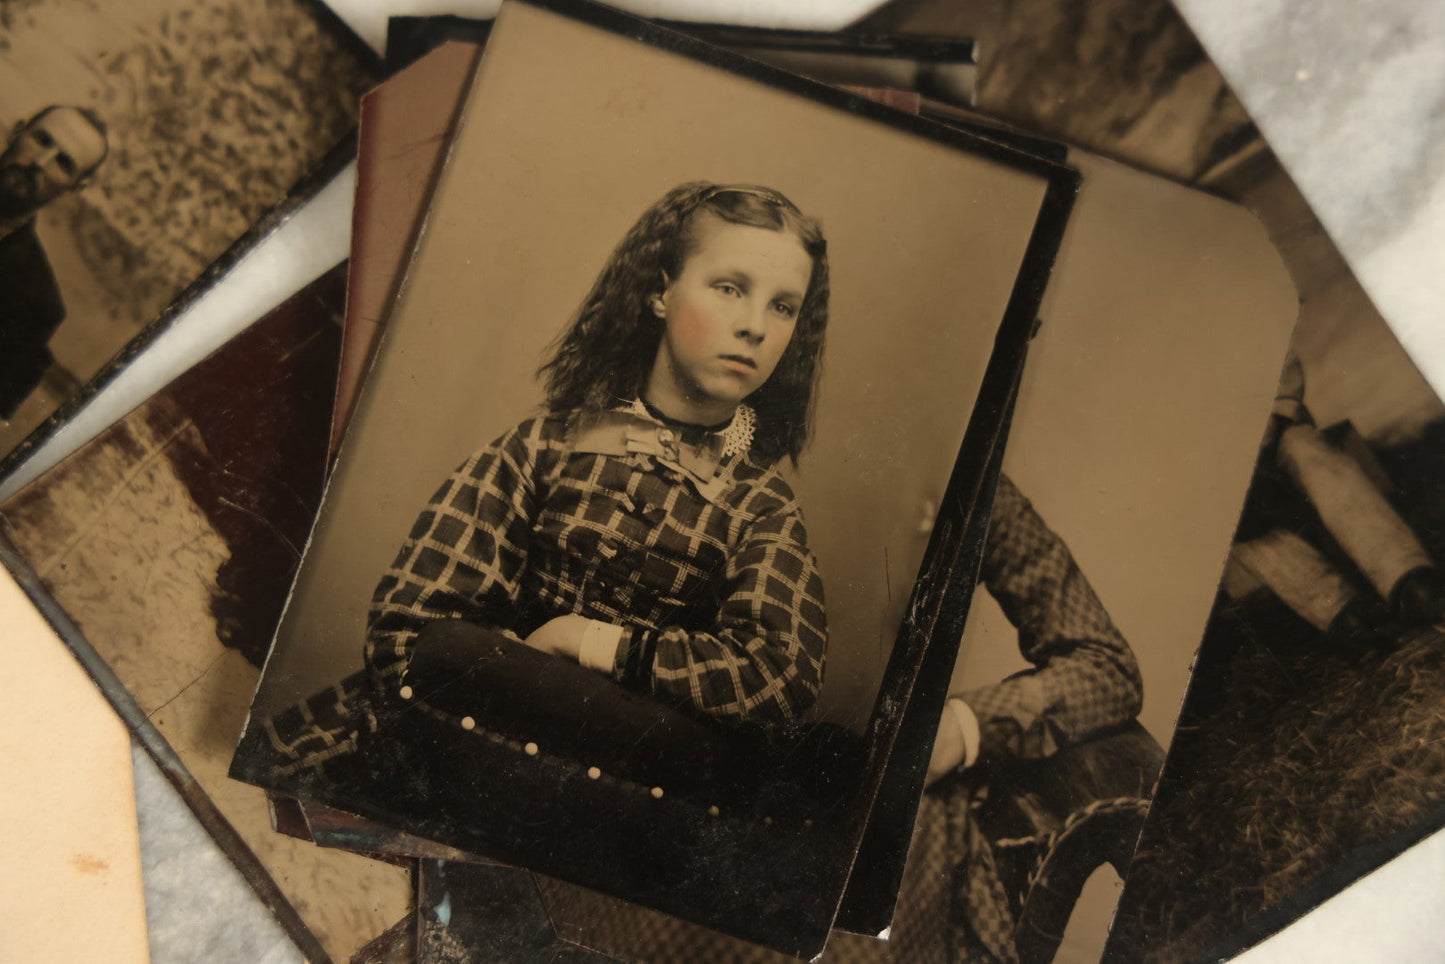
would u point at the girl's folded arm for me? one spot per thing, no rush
(763, 658)
(464, 556)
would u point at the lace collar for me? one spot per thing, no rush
(737, 434)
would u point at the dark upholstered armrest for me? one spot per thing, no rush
(510, 689)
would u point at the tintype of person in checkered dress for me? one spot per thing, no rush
(1038, 779)
(640, 526)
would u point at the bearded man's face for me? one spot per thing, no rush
(47, 158)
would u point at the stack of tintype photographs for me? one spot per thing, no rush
(600, 542)
(644, 392)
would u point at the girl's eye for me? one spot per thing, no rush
(784, 309)
(728, 288)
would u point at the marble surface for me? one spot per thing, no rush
(219, 920)
(1350, 94)
(1394, 914)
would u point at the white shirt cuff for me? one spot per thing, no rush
(599, 646)
(967, 722)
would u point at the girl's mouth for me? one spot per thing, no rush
(741, 361)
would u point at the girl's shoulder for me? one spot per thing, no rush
(759, 486)
(545, 430)
(527, 446)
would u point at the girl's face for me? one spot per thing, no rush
(729, 315)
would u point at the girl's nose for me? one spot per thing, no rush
(750, 326)
(752, 334)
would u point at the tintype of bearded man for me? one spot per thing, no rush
(48, 156)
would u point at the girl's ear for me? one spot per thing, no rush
(659, 299)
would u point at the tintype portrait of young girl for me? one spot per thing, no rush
(640, 525)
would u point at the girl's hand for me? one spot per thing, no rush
(948, 749)
(957, 742)
(561, 636)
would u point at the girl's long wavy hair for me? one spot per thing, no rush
(607, 353)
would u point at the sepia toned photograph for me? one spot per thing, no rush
(645, 506)
(141, 143)
(1309, 750)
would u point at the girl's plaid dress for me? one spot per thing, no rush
(686, 541)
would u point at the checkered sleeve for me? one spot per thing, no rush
(1085, 678)
(465, 554)
(763, 660)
